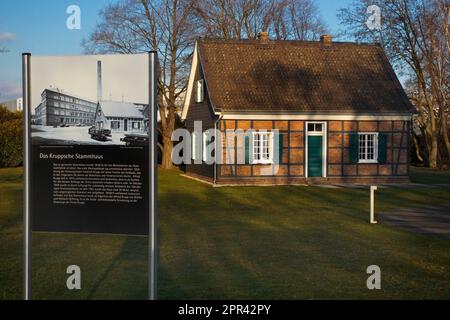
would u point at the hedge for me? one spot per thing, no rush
(11, 131)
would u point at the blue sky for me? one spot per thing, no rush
(39, 27)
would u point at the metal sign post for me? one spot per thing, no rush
(26, 174)
(153, 226)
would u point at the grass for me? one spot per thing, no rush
(287, 242)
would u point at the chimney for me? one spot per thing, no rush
(263, 37)
(326, 39)
(99, 81)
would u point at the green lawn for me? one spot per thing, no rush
(287, 242)
(425, 175)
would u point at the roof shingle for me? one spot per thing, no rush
(300, 77)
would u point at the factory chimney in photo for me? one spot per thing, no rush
(117, 116)
(99, 81)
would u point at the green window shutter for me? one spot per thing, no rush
(211, 140)
(354, 147)
(247, 149)
(382, 147)
(279, 138)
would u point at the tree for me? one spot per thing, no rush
(413, 34)
(443, 66)
(240, 19)
(233, 19)
(11, 134)
(299, 20)
(135, 26)
(171, 27)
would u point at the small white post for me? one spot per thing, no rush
(372, 204)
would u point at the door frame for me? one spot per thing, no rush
(324, 135)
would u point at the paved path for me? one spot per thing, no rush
(418, 186)
(396, 186)
(430, 220)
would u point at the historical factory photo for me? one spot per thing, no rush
(82, 100)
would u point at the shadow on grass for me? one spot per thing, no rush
(253, 242)
(291, 242)
(10, 207)
(133, 251)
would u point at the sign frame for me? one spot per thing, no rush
(153, 176)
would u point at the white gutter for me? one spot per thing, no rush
(314, 116)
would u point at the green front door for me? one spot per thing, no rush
(315, 146)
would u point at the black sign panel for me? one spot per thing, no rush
(89, 166)
(90, 189)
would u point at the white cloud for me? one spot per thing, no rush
(7, 36)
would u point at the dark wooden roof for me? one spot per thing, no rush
(300, 77)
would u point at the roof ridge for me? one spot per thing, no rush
(279, 41)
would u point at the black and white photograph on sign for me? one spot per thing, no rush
(90, 100)
(89, 125)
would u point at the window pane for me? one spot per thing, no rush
(256, 147)
(362, 147)
(367, 146)
(261, 147)
(318, 127)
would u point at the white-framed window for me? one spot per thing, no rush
(196, 155)
(115, 125)
(136, 125)
(315, 127)
(262, 147)
(199, 93)
(368, 147)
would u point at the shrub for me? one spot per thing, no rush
(11, 135)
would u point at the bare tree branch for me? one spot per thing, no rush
(413, 34)
(239, 19)
(166, 26)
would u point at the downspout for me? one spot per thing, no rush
(215, 148)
